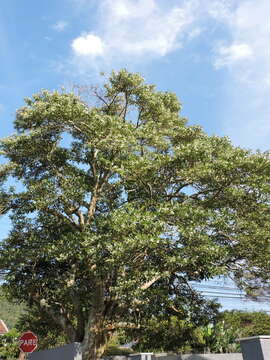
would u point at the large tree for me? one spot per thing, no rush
(121, 205)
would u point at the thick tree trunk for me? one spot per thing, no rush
(96, 336)
(94, 345)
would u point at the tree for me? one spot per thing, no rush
(122, 205)
(50, 334)
(4, 195)
(247, 324)
(218, 334)
(172, 335)
(256, 288)
(215, 338)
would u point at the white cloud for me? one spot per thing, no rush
(128, 32)
(229, 55)
(249, 29)
(247, 57)
(88, 44)
(125, 10)
(136, 29)
(140, 30)
(60, 26)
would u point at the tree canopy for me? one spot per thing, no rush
(123, 203)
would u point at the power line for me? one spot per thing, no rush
(215, 287)
(227, 297)
(223, 293)
(235, 296)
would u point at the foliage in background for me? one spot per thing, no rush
(121, 205)
(247, 323)
(170, 334)
(219, 335)
(9, 311)
(9, 346)
(215, 338)
(114, 347)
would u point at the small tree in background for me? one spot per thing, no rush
(247, 323)
(121, 205)
(216, 335)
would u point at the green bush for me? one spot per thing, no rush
(113, 350)
(9, 347)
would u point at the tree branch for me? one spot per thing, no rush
(147, 285)
(60, 317)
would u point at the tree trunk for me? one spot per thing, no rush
(96, 336)
(94, 345)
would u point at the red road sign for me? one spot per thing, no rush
(28, 342)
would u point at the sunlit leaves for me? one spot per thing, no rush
(123, 195)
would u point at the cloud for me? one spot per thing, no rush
(236, 33)
(60, 26)
(248, 28)
(246, 56)
(136, 30)
(88, 44)
(229, 55)
(141, 30)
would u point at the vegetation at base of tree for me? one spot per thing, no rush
(121, 205)
(114, 347)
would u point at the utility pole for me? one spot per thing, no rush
(22, 356)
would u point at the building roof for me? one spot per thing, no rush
(3, 327)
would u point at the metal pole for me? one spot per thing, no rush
(22, 356)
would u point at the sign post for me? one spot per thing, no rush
(28, 342)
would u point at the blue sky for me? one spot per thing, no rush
(214, 54)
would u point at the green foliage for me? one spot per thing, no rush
(218, 335)
(9, 346)
(5, 194)
(114, 348)
(183, 336)
(215, 338)
(122, 205)
(232, 325)
(173, 334)
(247, 323)
(50, 334)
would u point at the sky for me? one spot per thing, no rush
(214, 54)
